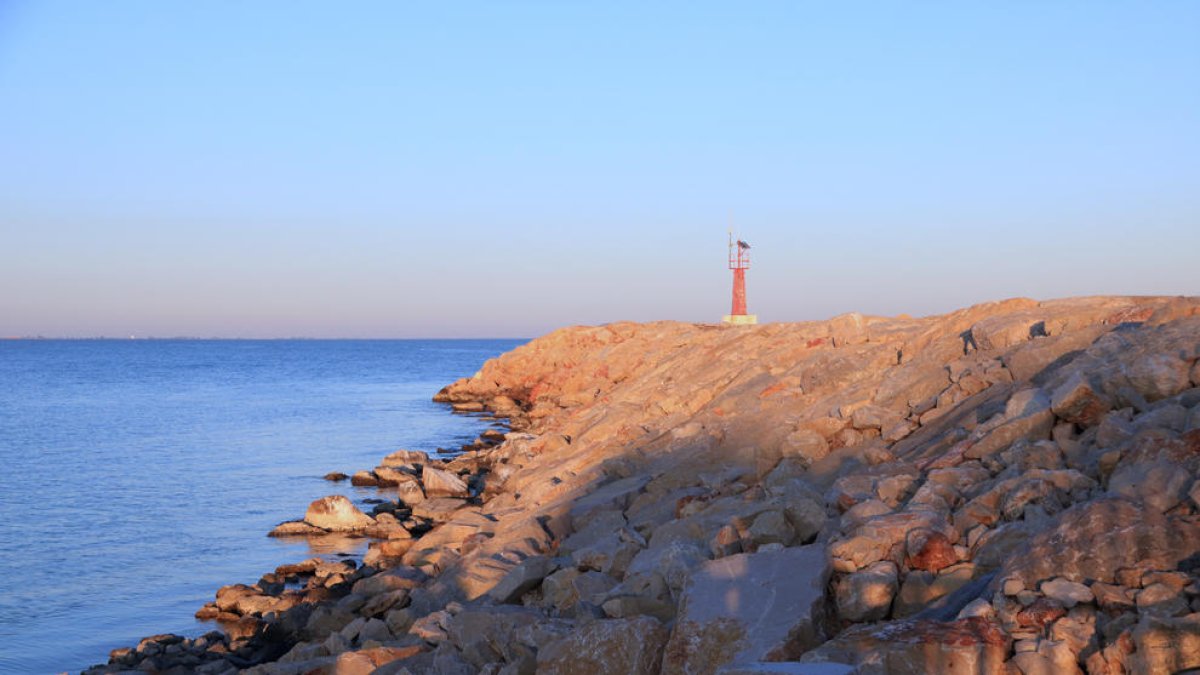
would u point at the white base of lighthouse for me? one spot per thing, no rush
(740, 319)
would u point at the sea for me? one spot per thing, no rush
(138, 476)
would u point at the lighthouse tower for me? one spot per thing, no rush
(739, 262)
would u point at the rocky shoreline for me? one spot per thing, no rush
(1008, 488)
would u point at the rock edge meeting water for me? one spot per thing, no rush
(142, 475)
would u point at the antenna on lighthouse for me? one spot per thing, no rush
(739, 262)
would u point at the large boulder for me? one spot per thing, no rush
(911, 384)
(1077, 400)
(439, 509)
(970, 646)
(1159, 484)
(1166, 645)
(336, 513)
(882, 537)
(1009, 328)
(524, 577)
(1031, 420)
(867, 594)
(1090, 542)
(749, 607)
(633, 646)
(487, 635)
(442, 483)
(406, 459)
(1158, 375)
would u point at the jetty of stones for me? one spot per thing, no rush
(1007, 488)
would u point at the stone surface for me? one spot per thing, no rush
(442, 483)
(806, 444)
(1165, 645)
(1068, 593)
(633, 646)
(522, 578)
(1077, 401)
(929, 550)
(295, 528)
(748, 607)
(1132, 535)
(336, 514)
(971, 646)
(866, 595)
(439, 510)
(1037, 444)
(877, 537)
(1158, 484)
(1161, 600)
(1158, 375)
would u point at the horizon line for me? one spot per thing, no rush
(34, 338)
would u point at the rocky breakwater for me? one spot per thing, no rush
(1011, 487)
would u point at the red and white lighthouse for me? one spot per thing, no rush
(739, 262)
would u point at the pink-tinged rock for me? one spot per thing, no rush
(337, 514)
(806, 444)
(1049, 657)
(1068, 593)
(438, 510)
(1159, 484)
(387, 476)
(1075, 400)
(1161, 600)
(1007, 329)
(1040, 613)
(1112, 597)
(912, 384)
(929, 550)
(1133, 535)
(1033, 357)
(748, 607)
(1166, 645)
(410, 493)
(875, 539)
(365, 661)
(295, 528)
(633, 646)
(441, 483)
(524, 577)
(867, 595)
(873, 417)
(1158, 375)
(405, 459)
(395, 579)
(1034, 425)
(920, 588)
(970, 646)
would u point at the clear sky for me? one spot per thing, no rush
(396, 169)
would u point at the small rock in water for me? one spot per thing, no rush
(336, 513)
(335, 476)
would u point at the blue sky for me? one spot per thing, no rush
(500, 169)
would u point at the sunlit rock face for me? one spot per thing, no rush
(1011, 487)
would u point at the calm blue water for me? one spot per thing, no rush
(136, 477)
